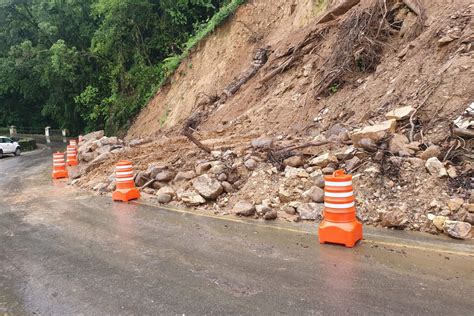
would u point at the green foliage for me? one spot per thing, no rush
(90, 64)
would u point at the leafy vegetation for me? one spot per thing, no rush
(90, 64)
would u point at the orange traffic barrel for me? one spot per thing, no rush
(59, 166)
(73, 143)
(71, 156)
(126, 189)
(339, 225)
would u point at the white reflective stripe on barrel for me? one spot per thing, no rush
(333, 205)
(124, 179)
(58, 160)
(341, 194)
(123, 167)
(126, 173)
(338, 184)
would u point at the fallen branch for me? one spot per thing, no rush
(146, 184)
(337, 11)
(189, 135)
(463, 132)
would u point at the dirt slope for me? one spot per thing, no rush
(320, 82)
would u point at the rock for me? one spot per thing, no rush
(352, 163)
(295, 161)
(166, 190)
(323, 160)
(262, 142)
(184, 176)
(455, 204)
(101, 187)
(395, 219)
(337, 132)
(207, 187)
(111, 187)
(397, 143)
(438, 222)
(105, 141)
(250, 164)
(456, 229)
(93, 136)
(448, 38)
(470, 207)
(284, 195)
(101, 158)
(430, 152)
(163, 198)
(272, 214)
(191, 198)
(310, 211)
(149, 191)
(158, 185)
(288, 210)
(368, 145)
(203, 168)
(217, 168)
(86, 157)
(243, 209)
(315, 194)
(328, 170)
(319, 181)
(400, 113)
(227, 187)
(435, 167)
(222, 177)
(291, 172)
(375, 133)
(262, 209)
(452, 173)
(141, 178)
(164, 176)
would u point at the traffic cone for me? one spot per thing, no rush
(59, 167)
(339, 225)
(73, 143)
(71, 154)
(126, 189)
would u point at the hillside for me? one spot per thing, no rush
(283, 93)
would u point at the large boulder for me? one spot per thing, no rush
(184, 175)
(93, 136)
(395, 219)
(207, 187)
(164, 175)
(166, 190)
(375, 132)
(456, 229)
(314, 194)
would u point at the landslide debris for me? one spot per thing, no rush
(382, 90)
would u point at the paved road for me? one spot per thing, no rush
(64, 251)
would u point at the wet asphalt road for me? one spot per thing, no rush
(64, 251)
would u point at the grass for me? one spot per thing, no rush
(172, 63)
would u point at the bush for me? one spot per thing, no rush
(27, 144)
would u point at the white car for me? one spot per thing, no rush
(8, 146)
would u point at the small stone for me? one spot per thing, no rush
(262, 142)
(203, 168)
(243, 208)
(141, 178)
(222, 177)
(456, 229)
(438, 222)
(295, 161)
(284, 195)
(375, 132)
(207, 187)
(163, 198)
(262, 209)
(101, 187)
(315, 194)
(272, 214)
(191, 198)
(435, 167)
(430, 152)
(378, 156)
(323, 160)
(319, 181)
(367, 144)
(227, 187)
(469, 207)
(310, 211)
(398, 143)
(291, 172)
(328, 170)
(352, 163)
(455, 204)
(166, 190)
(288, 210)
(452, 173)
(164, 176)
(149, 191)
(250, 164)
(395, 219)
(400, 113)
(184, 176)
